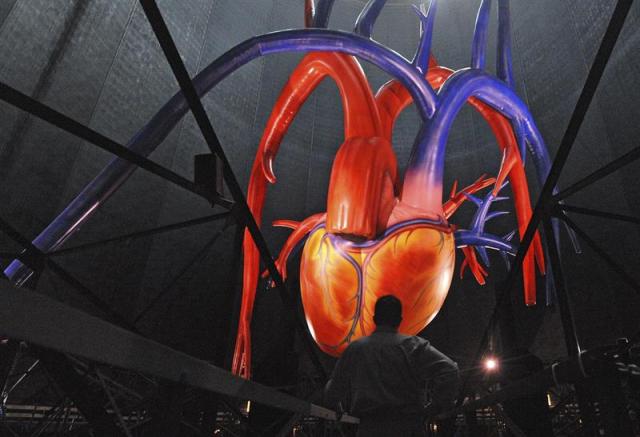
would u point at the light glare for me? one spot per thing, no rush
(490, 364)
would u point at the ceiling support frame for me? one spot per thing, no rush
(546, 206)
(549, 199)
(246, 218)
(80, 334)
(78, 390)
(142, 234)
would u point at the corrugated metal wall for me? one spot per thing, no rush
(98, 62)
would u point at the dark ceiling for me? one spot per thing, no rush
(98, 62)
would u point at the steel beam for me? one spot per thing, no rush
(43, 112)
(38, 319)
(247, 219)
(577, 118)
(141, 234)
(7, 392)
(568, 323)
(603, 254)
(49, 417)
(601, 173)
(573, 370)
(545, 202)
(188, 265)
(186, 86)
(37, 261)
(84, 397)
(542, 208)
(232, 301)
(598, 213)
(114, 404)
(9, 351)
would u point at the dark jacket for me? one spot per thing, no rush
(382, 378)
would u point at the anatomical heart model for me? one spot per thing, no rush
(382, 232)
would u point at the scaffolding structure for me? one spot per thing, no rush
(103, 375)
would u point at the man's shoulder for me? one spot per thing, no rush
(413, 339)
(360, 344)
(396, 338)
(357, 344)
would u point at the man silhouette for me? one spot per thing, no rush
(382, 378)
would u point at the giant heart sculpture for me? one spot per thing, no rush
(381, 233)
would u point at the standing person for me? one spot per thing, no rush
(382, 378)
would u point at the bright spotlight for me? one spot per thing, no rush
(490, 364)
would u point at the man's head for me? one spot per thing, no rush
(388, 311)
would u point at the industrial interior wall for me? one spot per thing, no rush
(98, 62)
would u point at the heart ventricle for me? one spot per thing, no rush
(341, 280)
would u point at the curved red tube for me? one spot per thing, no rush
(361, 120)
(456, 198)
(361, 192)
(300, 230)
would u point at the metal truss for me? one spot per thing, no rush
(197, 109)
(40, 320)
(68, 395)
(118, 344)
(142, 234)
(237, 211)
(548, 200)
(549, 207)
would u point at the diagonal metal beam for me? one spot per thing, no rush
(9, 352)
(545, 199)
(568, 323)
(22, 377)
(597, 213)
(602, 253)
(186, 86)
(49, 417)
(37, 261)
(572, 370)
(7, 428)
(601, 173)
(141, 234)
(43, 112)
(80, 392)
(187, 266)
(114, 404)
(582, 106)
(29, 316)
